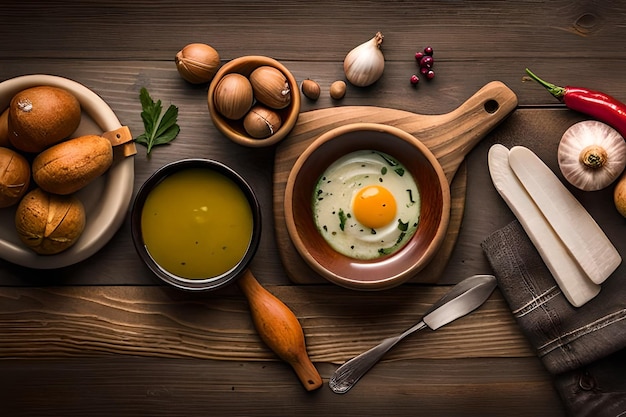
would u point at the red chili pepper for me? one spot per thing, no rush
(599, 105)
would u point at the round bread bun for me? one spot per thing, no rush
(42, 116)
(49, 223)
(14, 177)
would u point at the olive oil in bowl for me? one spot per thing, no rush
(196, 224)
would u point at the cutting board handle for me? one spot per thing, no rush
(453, 135)
(450, 137)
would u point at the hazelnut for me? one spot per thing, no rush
(233, 96)
(197, 63)
(338, 90)
(261, 122)
(270, 87)
(310, 89)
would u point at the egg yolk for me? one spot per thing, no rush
(374, 206)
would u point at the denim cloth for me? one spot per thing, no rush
(585, 347)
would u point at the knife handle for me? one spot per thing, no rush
(348, 374)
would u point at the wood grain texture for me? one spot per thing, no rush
(123, 386)
(105, 338)
(163, 322)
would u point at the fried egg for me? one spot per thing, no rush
(366, 205)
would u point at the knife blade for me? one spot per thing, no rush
(569, 276)
(578, 231)
(462, 299)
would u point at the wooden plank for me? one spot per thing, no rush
(115, 47)
(164, 322)
(291, 29)
(169, 387)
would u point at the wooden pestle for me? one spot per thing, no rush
(279, 329)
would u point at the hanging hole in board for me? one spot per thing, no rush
(491, 106)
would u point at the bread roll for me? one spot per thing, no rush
(49, 223)
(42, 116)
(69, 166)
(4, 128)
(14, 177)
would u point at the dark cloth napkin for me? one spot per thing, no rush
(585, 347)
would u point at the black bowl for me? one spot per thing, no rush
(209, 283)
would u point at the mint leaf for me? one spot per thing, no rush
(160, 128)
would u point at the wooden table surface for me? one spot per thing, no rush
(105, 337)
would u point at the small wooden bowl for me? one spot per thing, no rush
(233, 129)
(387, 271)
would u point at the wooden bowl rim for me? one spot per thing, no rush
(245, 65)
(396, 277)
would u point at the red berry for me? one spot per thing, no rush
(430, 74)
(419, 55)
(429, 51)
(414, 79)
(427, 61)
(424, 70)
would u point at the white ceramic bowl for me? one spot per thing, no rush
(106, 199)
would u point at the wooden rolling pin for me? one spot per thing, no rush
(279, 329)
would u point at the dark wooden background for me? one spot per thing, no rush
(104, 337)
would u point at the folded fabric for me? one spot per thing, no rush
(570, 341)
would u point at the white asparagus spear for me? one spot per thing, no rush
(578, 231)
(571, 279)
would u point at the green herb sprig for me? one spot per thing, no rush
(160, 128)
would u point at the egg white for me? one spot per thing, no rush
(333, 198)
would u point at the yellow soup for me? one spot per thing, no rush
(197, 223)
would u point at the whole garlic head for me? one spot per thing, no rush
(365, 64)
(591, 155)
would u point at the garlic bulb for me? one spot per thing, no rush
(364, 64)
(591, 155)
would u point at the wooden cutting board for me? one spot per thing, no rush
(449, 136)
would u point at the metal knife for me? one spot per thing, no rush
(462, 299)
(573, 281)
